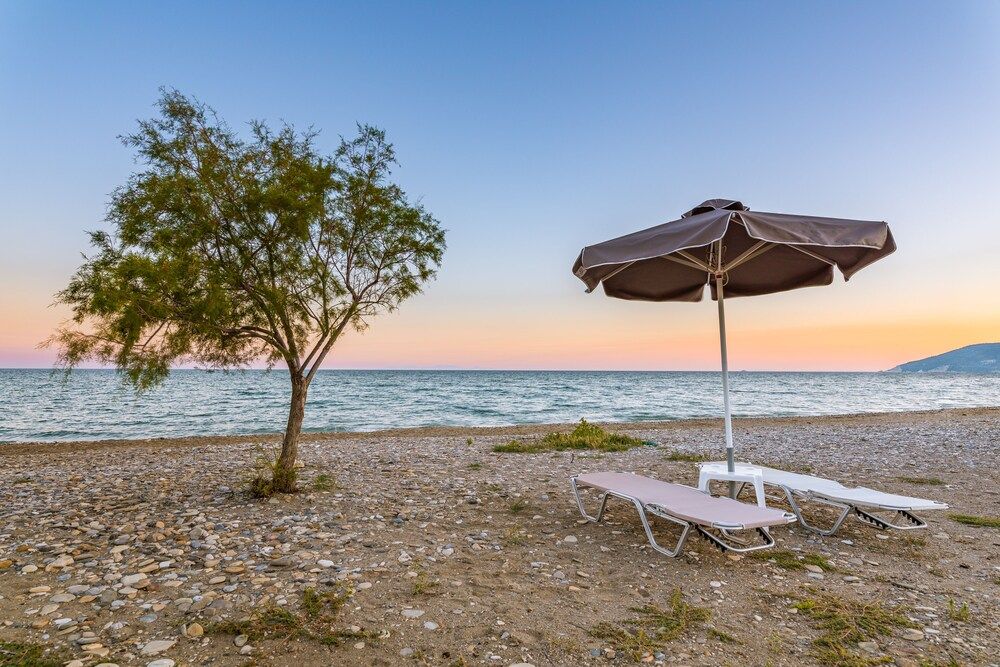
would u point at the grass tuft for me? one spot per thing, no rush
(422, 584)
(324, 482)
(844, 623)
(723, 637)
(518, 506)
(924, 481)
(317, 612)
(790, 560)
(958, 613)
(980, 521)
(585, 436)
(652, 628)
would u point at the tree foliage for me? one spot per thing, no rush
(227, 250)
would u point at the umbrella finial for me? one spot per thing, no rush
(716, 204)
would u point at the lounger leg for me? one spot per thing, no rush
(579, 502)
(649, 531)
(845, 510)
(913, 520)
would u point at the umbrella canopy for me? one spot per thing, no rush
(760, 253)
(721, 243)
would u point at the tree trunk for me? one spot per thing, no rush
(284, 470)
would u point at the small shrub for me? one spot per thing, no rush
(469, 441)
(980, 521)
(475, 466)
(585, 436)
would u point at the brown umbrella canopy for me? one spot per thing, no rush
(761, 253)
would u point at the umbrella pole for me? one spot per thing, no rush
(725, 383)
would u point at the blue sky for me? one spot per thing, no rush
(532, 129)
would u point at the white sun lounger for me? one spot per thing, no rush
(862, 501)
(685, 506)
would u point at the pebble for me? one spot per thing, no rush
(413, 613)
(913, 634)
(158, 646)
(868, 647)
(431, 625)
(162, 662)
(240, 640)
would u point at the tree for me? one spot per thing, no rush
(226, 251)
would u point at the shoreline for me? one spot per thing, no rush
(18, 447)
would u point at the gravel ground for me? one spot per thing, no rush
(140, 552)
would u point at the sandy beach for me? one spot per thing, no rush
(426, 547)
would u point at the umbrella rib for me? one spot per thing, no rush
(691, 260)
(617, 271)
(754, 252)
(812, 254)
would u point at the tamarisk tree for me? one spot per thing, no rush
(226, 251)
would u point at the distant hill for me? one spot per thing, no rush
(980, 358)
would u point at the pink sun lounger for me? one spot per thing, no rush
(712, 518)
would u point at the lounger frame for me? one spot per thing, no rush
(903, 519)
(725, 541)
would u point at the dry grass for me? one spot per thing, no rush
(790, 560)
(652, 628)
(844, 623)
(18, 654)
(922, 481)
(316, 614)
(979, 521)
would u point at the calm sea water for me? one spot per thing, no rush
(37, 405)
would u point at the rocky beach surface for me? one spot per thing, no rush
(427, 547)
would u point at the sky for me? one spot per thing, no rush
(532, 129)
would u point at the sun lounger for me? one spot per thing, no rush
(685, 506)
(863, 502)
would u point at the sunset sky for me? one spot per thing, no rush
(532, 129)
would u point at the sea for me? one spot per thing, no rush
(39, 405)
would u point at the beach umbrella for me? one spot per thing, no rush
(736, 252)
